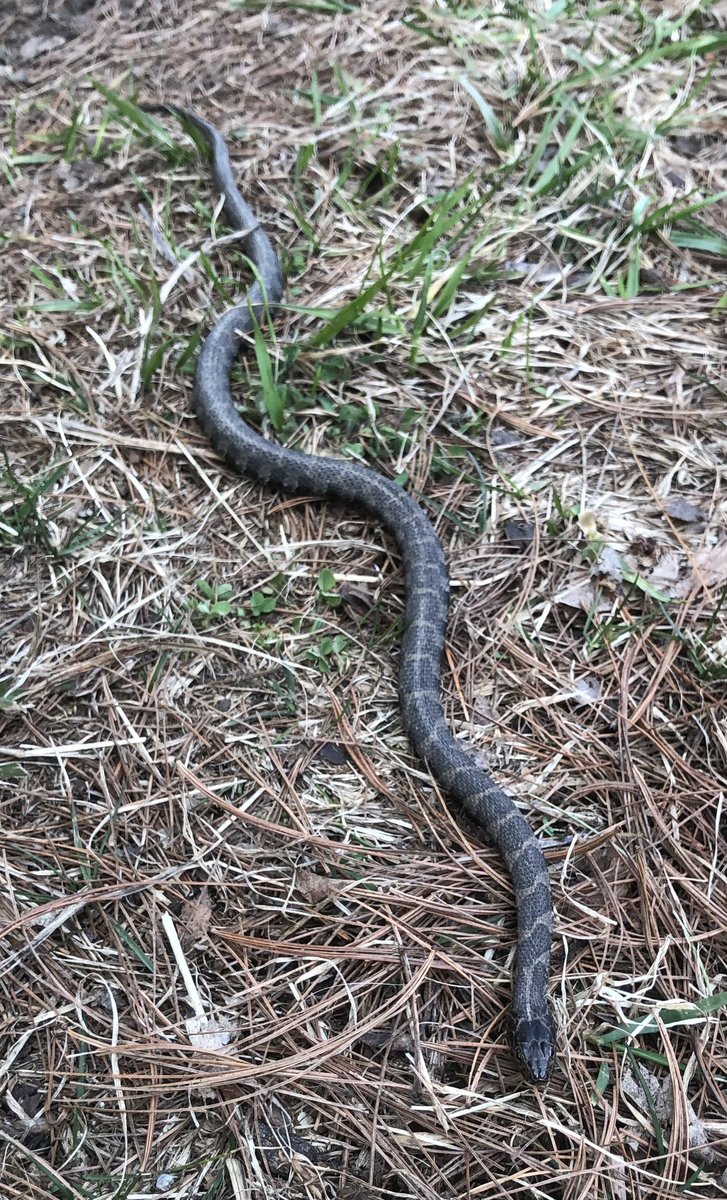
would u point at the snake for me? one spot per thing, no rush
(351, 484)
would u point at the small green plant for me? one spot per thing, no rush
(12, 771)
(327, 588)
(566, 514)
(9, 694)
(263, 602)
(31, 514)
(214, 601)
(328, 650)
(24, 521)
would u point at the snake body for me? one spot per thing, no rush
(427, 600)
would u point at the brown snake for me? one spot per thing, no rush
(427, 600)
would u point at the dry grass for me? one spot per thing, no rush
(247, 949)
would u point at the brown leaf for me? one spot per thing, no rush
(581, 594)
(316, 889)
(710, 565)
(195, 918)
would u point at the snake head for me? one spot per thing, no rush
(534, 1044)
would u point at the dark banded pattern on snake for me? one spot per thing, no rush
(427, 601)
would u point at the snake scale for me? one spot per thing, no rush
(427, 602)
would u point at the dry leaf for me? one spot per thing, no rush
(520, 533)
(316, 889)
(710, 566)
(42, 44)
(662, 1098)
(207, 1034)
(333, 753)
(610, 564)
(195, 918)
(588, 524)
(582, 595)
(682, 510)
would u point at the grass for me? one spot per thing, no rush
(246, 947)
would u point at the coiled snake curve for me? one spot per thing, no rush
(427, 598)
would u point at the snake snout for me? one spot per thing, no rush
(534, 1045)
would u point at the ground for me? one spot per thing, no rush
(246, 947)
